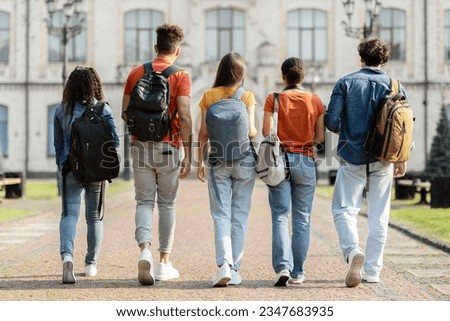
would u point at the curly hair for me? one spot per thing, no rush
(374, 52)
(292, 69)
(168, 38)
(83, 85)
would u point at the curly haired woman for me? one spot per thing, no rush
(83, 89)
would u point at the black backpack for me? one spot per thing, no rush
(93, 155)
(148, 115)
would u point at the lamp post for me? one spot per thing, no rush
(70, 25)
(370, 27)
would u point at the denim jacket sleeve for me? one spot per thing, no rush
(335, 109)
(58, 137)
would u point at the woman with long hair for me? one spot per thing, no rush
(230, 181)
(82, 90)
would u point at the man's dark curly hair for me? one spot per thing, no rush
(168, 38)
(374, 52)
(83, 85)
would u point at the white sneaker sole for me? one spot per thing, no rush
(144, 276)
(353, 277)
(222, 282)
(68, 275)
(166, 278)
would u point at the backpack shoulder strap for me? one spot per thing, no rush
(98, 108)
(238, 93)
(148, 67)
(170, 70)
(275, 113)
(394, 86)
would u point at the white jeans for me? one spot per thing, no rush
(156, 168)
(346, 204)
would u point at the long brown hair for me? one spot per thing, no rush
(231, 70)
(83, 85)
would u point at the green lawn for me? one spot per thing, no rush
(39, 190)
(434, 223)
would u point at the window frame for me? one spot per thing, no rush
(5, 16)
(4, 124)
(392, 29)
(214, 49)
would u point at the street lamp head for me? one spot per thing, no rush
(349, 7)
(51, 6)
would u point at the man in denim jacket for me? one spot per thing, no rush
(352, 106)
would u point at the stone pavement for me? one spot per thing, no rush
(30, 267)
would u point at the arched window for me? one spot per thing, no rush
(307, 35)
(4, 36)
(4, 130)
(447, 35)
(76, 46)
(50, 131)
(140, 34)
(393, 31)
(225, 32)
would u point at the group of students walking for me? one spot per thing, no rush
(302, 118)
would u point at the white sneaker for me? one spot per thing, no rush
(90, 270)
(145, 268)
(68, 276)
(165, 271)
(235, 278)
(223, 276)
(370, 278)
(282, 278)
(298, 280)
(355, 264)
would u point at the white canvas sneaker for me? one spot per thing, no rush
(223, 276)
(90, 270)
(68, 276)
(165, 271)
(298, 280)
(145, 268)
(355, 264)
(235, 278)
(282, 278)
(370, 278)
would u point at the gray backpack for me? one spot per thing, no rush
(227, 124)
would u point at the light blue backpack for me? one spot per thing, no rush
(227, 124)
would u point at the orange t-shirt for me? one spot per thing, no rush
(298, 112)
(218, 93)
(180, 85)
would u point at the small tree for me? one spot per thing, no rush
(438, 164)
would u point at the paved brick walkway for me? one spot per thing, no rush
(31, 269)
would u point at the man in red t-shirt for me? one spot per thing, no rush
(158, 166)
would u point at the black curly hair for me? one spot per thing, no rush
(374, 52)
(168, 38)
(83, 85)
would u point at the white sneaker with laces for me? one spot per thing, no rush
(355, 264)
(90, 270)
(223, 276)
(145, 268)
(235, 278)
(68, 276)
(165, 271)
(370, 278)
(282, 278)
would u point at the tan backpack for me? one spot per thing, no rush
(390, 137)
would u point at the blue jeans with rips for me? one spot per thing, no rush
(295, 195)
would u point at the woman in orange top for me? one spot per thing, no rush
(300, 127)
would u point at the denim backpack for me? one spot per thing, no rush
(227, 124)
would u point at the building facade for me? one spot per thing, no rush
(119, 34)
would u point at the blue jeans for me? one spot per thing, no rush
(346, 204)
(69, 220)
(230, 194)
(289, 252)
(156, 167)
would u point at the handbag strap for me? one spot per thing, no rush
(275, 114)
